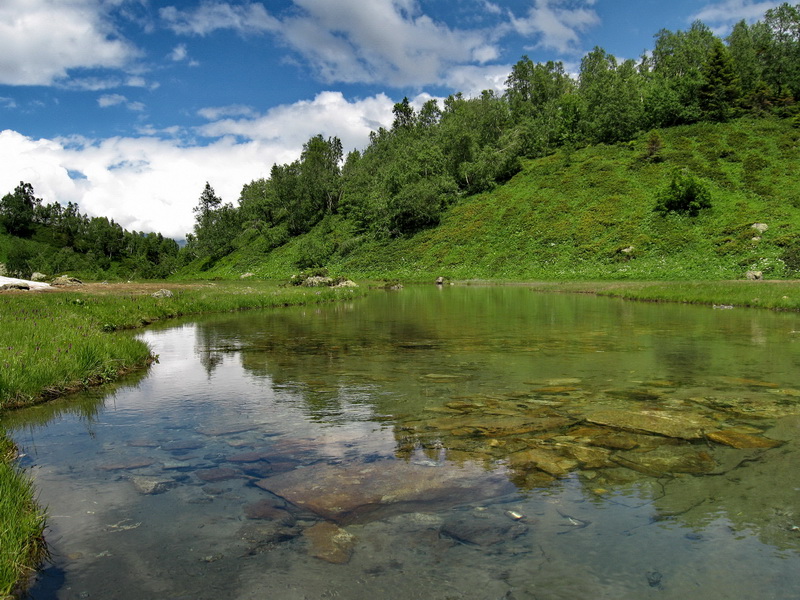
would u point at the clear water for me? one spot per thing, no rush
(450, 436)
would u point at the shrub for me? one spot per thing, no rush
(685, 194)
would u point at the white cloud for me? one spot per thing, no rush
(107, 100)
(722, 15)
(557, 24)
(41, 40)
(353, 41)
(210, 16)
(152, 184)
(178, 53)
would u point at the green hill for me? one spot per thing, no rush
(585, 214)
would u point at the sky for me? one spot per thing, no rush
(128, 107)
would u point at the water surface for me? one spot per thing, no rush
(434, 443)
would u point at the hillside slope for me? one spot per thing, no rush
(587, 214)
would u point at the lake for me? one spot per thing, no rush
(437, 443)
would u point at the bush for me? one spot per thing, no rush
(685, 194)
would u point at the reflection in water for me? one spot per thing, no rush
(456, 443)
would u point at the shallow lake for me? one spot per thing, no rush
(455, 443)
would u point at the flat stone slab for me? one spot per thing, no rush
(674, 425)
(361, 492)
(737, 439)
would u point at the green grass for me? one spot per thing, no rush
(21, 524)
(774, 295)
(589, 218)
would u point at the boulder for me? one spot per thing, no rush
(162, 294)
(66, 280)
(15, 286)
(440, 281)
(38, 277)
(760, 227)
(346, 283)
(317, 281)
(754, 275)
(246, 275)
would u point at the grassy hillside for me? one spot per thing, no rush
(588, 214)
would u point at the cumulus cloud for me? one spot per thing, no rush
(557, 24)
(151, 184)
(41, 40)
(329, 114)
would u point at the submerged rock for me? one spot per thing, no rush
(667, 461)
(549, 461)
(470, 530)
(359, 492)
(150, 486)
(214, 475)
(132, 463)
(737, 439)
(267, 510)
(675, 425)
(330, 543)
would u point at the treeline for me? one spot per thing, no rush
(53, 239)
(429, 158)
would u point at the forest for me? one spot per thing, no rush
(434, 156)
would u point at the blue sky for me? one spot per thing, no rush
(129, 106)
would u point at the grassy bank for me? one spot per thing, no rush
(774, 294)
(21, 523)
(52, 343)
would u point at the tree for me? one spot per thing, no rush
(720, 90)
(744, 53)
(17, 210)
(216, 227)
(613, 97)
(209, 202)
(675, 77)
